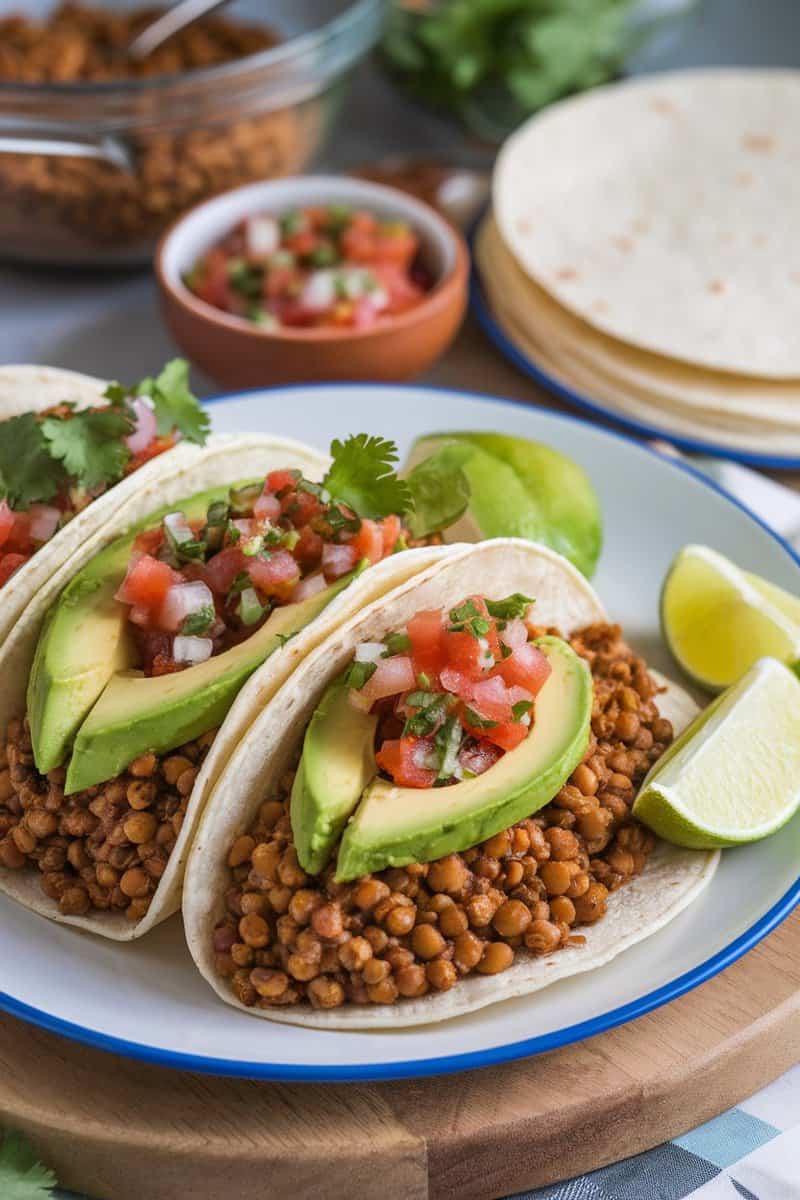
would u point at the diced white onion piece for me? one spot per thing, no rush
(337, 559)
(181, 601)
(487, 658)
(424, 756)
(356, 282)
(145, 429)
(262, 236)
(179, 527)
(515, 634)
(267, 507)
(191, 650)
(244, 525)
(370, 652)
(44, 520)
(312, 585)
(379, 298)
(319, 292)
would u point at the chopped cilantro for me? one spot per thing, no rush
(424, 680)
(175, 405)
(396, 643)
(234, 534)
(476, 720)
(239, 584)
(283, 638)
(28, 474)
(505, 651)
(358, 673)
(463, 612)
(478, 627)
(519, 709)
(291, 222)
(91, 444)
(513, 606)
(198, 622)
(362, 477)
(22, 1175)
(243, 498)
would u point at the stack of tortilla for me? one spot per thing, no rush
(643, 250)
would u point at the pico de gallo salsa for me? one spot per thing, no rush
(195, 589)
(54, 463)
(332, 267)
(453, 691)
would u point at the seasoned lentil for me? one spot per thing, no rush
(410, 931)
(100, 849)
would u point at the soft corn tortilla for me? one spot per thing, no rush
(699, 394)
(648, 208)
(225, 459)
(31, 389)
(563, 598)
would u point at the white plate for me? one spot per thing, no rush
(146, 1000)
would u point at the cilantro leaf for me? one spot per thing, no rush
(463, 612)
(476, 720)
(440, 491)
(22, 1175)
(175, 405)
(362, 477)
(521, 709)
(91, 444)
(27, 472)
(515, 605)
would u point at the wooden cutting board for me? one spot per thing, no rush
(123, 1130)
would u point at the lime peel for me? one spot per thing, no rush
(717, 619)
(734, 776)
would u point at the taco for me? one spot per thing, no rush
(73, 451)
(434, 813)
(145, 657)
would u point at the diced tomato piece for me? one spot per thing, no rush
(527, 666)
(397, 758)
(148, 541)
(278, 480)
(301, 243)
(276, 575)
(308, 550)
(463, 652)
(396, 243)
(426, 632)
(301, 507)
(222, 569)
(490, 699)
(6, 521)
(478, 759)
(213, 286)
(147, 582)
(368, 542)
(391, 528)
(507, 735)
(152, 450)
(358, 245)
(459, 684)
(9, 563)
(19, 537)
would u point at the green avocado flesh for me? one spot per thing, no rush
(393, 826)
(137, 713)
(337, 764)
(521, 488)
(85, 641)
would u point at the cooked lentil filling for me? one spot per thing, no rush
(103, 849)
(288, 938)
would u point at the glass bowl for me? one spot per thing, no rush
(92, 173)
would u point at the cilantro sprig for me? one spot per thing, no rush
(513, 606)
(86, 448)
(362, 477)
(22, 1175)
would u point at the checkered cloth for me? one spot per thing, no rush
(750, 1152)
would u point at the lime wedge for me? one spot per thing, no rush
(734, 775)
(521, 488)
(717, 619)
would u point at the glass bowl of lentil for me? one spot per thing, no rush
(97, 156)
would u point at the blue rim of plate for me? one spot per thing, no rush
(481, 308)
(471, 1060)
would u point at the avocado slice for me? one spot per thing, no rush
(84, 641)
(138, 713)
(519, 488)
(394, 826)
(337, 764)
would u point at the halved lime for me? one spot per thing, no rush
(521, 488)
(718, 619)
(734, 775)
